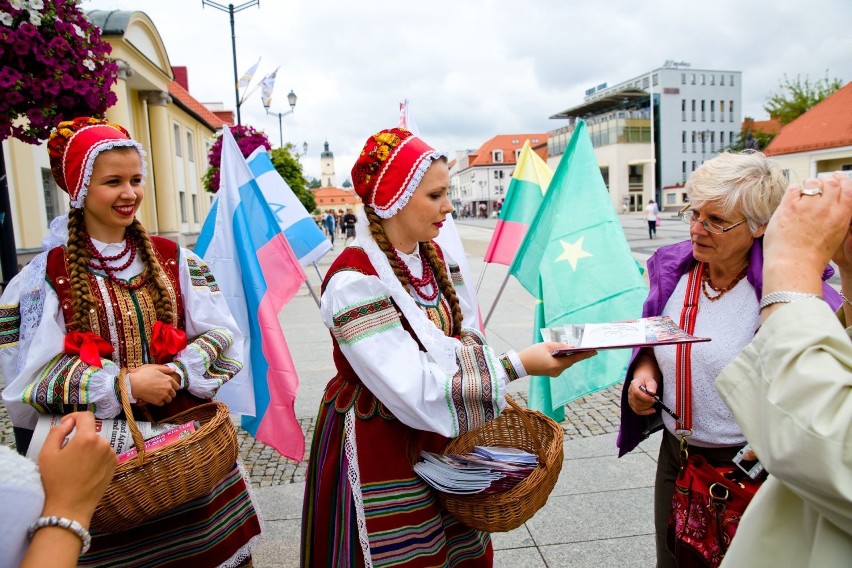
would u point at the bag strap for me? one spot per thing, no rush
(683, 361)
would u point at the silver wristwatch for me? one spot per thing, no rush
(784, 298)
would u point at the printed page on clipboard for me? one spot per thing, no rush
(644, 332)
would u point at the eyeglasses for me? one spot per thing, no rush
(690, 217)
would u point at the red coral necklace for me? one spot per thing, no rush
(99, 262)
(419, 284)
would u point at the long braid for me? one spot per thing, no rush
(381, 239)
(153, 271)
(78, 258)
(447, 288)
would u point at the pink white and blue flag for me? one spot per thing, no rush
(259, 274)
(306, 239)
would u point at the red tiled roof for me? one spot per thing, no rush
(508, 143)
(771, 126)
(826, 125)
(226, 116)
(334, 196)
(182, 98)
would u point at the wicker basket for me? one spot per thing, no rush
(516, 427)
(156, 481)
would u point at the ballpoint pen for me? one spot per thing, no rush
(660, 402)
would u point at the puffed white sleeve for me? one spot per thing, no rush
(214, 351)
(368, 327)
(49, 381)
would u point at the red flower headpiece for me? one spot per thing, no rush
(389, 169)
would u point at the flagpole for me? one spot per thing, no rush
(313, 294)
(481, 276)
(317, 269)
(497, 299)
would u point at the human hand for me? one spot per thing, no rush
(75, 476)
(806, 231)
(154, 384)
(537, 358)
(646, 373)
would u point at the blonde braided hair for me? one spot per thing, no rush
(78, 258)
(431, 253)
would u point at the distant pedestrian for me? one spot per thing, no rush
(348, 224)
(652, 213)
(329, 226)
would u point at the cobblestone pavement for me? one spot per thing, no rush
(591, 415)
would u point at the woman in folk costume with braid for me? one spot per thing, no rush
(410, 374)
(105, 296)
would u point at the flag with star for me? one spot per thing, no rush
(576, 261)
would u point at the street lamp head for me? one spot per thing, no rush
(291, 98)
(304, 147)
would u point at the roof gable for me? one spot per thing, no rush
(507, 143)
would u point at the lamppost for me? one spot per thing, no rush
(303, 152)
(231, 9)
(291, 98)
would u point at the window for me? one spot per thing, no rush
(655, 79)
(683, 140)
(693, 79)
(693, 165)
(712, 111)
(645, 84)
(721, 80)
(683, 169)
(182, 199)
(496, 174)
(712, 79)
(702, 111)
(683, 110)
(194, 208)
(517, 154)
(534, 141)
(732, 81)
(703, 79)
(694, 149)
(51, 195)
(722, 138)
(178, 151)
(497, 156)
(516, 141)
(190, 147)
(693, 110)
(683, 78)
(731, 111)
(722, 110)
(671, 199)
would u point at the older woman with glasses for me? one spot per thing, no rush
(712, 283)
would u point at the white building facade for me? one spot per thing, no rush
(648, 151)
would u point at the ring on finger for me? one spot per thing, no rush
(811, 191)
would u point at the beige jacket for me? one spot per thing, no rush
(790, 391)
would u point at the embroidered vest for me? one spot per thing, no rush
(123, 317)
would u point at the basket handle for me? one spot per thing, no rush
(522, 412)
(138, 441)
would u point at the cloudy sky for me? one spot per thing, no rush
(476, 68)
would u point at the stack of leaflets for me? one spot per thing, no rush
(486, 470)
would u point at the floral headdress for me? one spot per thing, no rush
(73, 147)
(389, 169)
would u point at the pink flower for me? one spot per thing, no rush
(8, 77)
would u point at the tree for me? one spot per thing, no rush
(314, 183)
(796, 97)
(289, 168)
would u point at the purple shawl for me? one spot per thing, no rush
(665, 269)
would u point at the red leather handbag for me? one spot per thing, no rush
(707, 505)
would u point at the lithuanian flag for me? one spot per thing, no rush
(523, 198)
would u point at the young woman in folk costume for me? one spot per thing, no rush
(105, 296)
(410, 374)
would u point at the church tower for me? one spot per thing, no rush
(327, 163)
